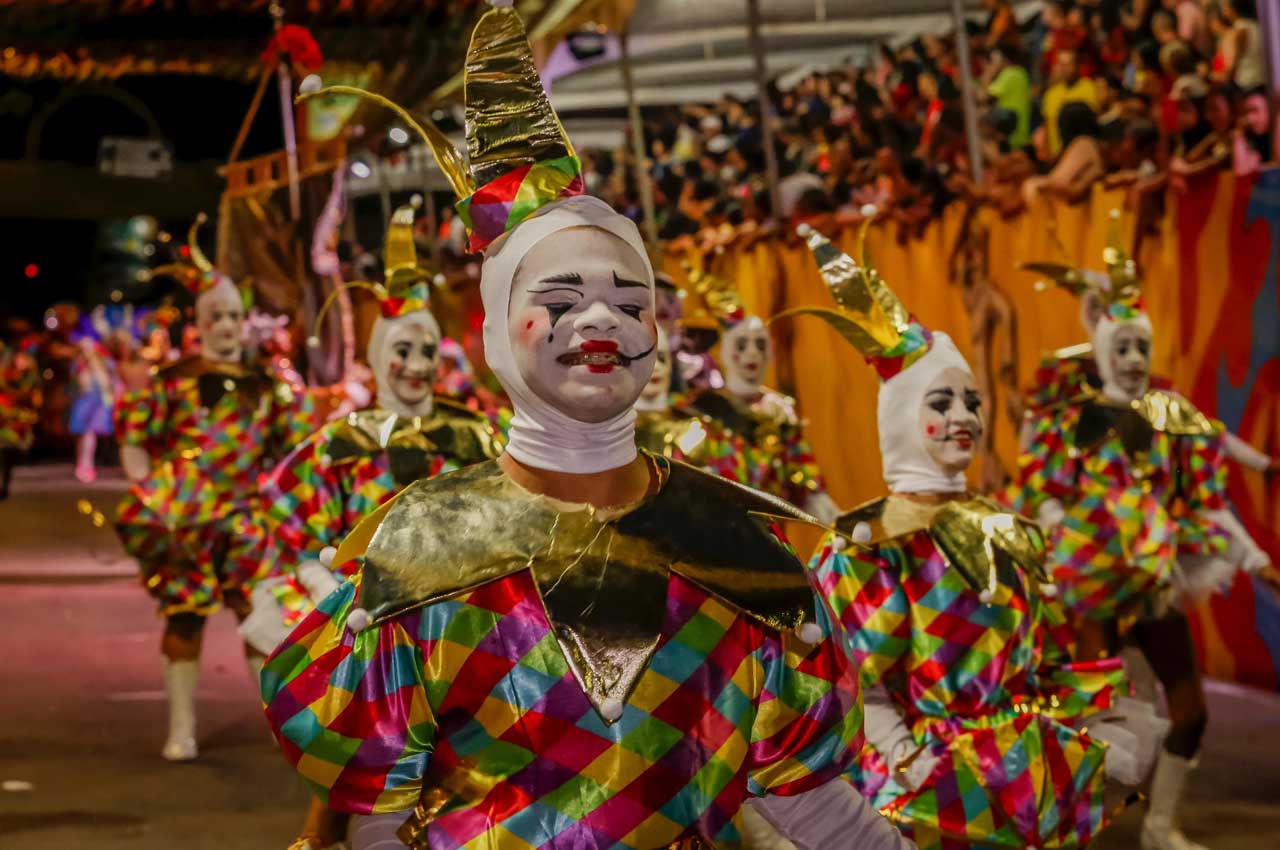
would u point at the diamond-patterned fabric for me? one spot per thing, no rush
(700, 441)
(192, 523)
(496, 207)
(1126, 517)
(913, 344)
(982, 687)
(313, 500)
(405, 301)
(469, 704)
(775, 456)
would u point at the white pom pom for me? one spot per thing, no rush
(838, 543)
(1049, 589)
(439, 279)
(810, 633)
(327, 554)
(313, 341)
(416, 201)
(325, 460)
(861, 533)
(310, 83)
(986, 596)
(611, 709)
(1040, 286)
(358, 620)
(868, 210)
(803, 230)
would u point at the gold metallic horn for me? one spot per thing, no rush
(377, 289)
(400, 254)
(198, 259)
(869, 316)
(1126, 288)
(448, 157)
(510, 122)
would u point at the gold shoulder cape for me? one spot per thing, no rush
(967, 531)
(603, 579)
(1137, 422)
(214, 380)
(450, 429)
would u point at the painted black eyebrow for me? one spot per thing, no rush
(624, 283)
(947, 391)
(567, 277)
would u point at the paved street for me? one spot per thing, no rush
(82, 714)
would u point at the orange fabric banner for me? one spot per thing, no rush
(1205, 249)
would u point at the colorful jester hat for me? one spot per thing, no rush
(709, 302)
(195, 272)
(518, 156)
(406, 286)
(905, 354)
(1118, 291)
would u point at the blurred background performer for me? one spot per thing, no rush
(779, 460)
(195, 437)
(1130, 482)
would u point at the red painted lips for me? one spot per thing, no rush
(598, 355)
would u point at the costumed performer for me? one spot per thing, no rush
(196, 436)
(578, 644)
(101, 347)
(1130, 482)
(975, 717)
(779, 460)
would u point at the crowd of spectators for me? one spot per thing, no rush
(1143, 94)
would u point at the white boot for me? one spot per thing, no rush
(1168, 786)
(180, 682)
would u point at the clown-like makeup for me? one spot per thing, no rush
(951, 420)
(657, 390)
(581, 323)
(1131, 359)
(412, 357)
(746, 349)
(220, 320)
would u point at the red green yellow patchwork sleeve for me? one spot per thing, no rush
(141, 417)
(350, 711)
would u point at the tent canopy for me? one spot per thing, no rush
(697, 52)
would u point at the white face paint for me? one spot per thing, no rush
(657, 390)
(581, 323)
(410, 360)
(1130, 355)
(220, 319)
(746, 350)
(951, 420)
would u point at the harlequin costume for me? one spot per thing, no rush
(507, 670)
(211, 430)
(975, 715)
(352, 466)
(1142, 481)
(1131, 479)
(777, 458)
